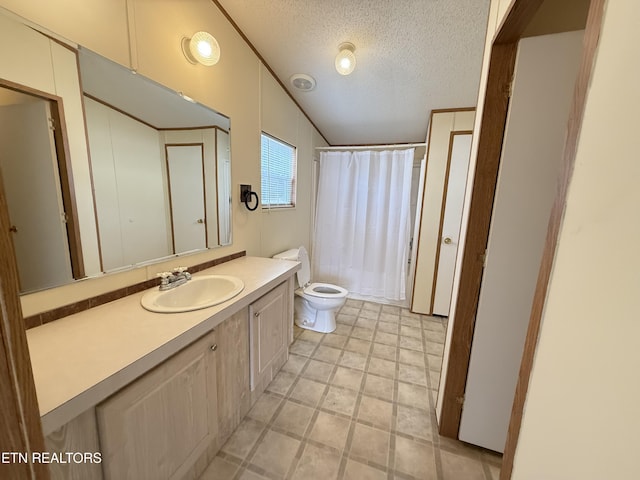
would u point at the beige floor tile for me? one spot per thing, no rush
(413, 395)
(370, 444)
(353, 303)
(346, 310)
(494, 471)
(265, 407)
(382, 367)
(330, 430)
(458, 448)
(340, 400)
(389, 317)
(456, 466)
(407, 313)
(411, 374)
(358, 346)
(435, 362)
(414, 422)
(293, 418)
(275, 453)
(412, 357)
(317, 464)
(219, 469)
(346, 319)
(334, 340)
(388, 352)
(327, 354)
(411, 322)
(362, 333)
(433, 325)
(386, 338)
(301, 347)
(249, 475)
(436, 337)
(408, 331)
(379, 387)
(411, 343)
(364, 322)
(320, 371)
(368, 314)
(343, 330)
(391, 309)
(376, 412)
(360, 471)
(308, 391)
(281, 383)
(242, 440)
(434, 378)
(353, 360)
(435, 348)
(347, 378)
(371, 306)
(388, 327)
(311, 336)
(415, 459)
(294, 364)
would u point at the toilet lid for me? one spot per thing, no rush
(304, 274)
(325, 290)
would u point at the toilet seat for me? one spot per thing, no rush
(325, 290)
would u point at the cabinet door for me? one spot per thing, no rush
(269, 335)
(158, 426)
(234, 397)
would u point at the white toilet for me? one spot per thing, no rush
(315, 304)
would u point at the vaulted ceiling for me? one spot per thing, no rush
(413, 56)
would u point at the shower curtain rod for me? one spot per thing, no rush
(371, 147)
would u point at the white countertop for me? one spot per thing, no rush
(80, 360)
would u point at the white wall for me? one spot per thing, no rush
(146, 35)
(581, 415)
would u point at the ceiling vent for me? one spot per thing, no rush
(302, 82)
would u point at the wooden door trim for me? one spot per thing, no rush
(494, 115)
(20, 415)
(452, 135)
(590, 44)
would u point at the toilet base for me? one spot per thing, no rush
(323, 321)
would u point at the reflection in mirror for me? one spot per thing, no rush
(160, 164)
(33, 167)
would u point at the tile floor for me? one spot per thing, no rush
(357, 404)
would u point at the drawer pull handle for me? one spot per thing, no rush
(213, 347)
(257, 314)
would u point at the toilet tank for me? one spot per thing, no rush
(288, 255)
(298, 255)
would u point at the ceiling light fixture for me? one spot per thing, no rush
(201, 48)
(346, 59)
(303, 82)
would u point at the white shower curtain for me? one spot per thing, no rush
(361, 238)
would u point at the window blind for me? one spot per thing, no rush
(278, 173)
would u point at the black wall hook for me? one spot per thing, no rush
(246, 195)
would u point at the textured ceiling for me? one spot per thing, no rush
(413, 56)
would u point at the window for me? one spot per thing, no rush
(278, 171)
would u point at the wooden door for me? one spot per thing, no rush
(185, 167)
(269, 334)
(455, 183)
(158, 426)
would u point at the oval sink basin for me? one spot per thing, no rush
(199, 292)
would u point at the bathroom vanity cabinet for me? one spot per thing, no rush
(159, 425)
(169, 422)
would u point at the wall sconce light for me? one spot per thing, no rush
(346, 59)
(201, 48)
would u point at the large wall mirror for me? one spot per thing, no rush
(160, 171)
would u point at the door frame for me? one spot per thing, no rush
(452, 136)
(490, 138)
(20, 418)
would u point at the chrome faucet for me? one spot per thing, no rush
(178, 276)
